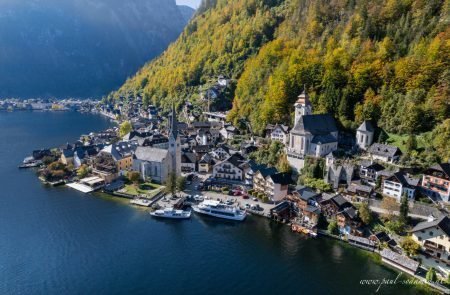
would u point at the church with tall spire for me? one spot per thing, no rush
(312, 135)
(174, 144)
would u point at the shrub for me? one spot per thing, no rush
(333, 228)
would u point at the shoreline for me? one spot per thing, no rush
(336, 238)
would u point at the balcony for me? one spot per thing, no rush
(434, 247)
(292, 154)
(222, 171)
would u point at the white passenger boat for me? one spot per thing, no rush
(171, 213)
(220, 210)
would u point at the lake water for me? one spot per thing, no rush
(59, 241)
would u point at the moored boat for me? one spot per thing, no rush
(29, 162)
(171, 213)
(220, 210)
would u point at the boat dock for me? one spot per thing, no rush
(88, 185)
(141, 202)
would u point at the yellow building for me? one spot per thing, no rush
(122, 154)
(434, 238)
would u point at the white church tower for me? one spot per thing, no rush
(364, 135)
(174, 144)
(302, 106)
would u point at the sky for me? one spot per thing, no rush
(191, 3)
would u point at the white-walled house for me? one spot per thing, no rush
(364, 135)
(231, 168)
(400, 183)
(273, 185)
(385, 153)
(280, 133)
(434, 238)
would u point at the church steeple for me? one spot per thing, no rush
(302, 105)
(173, 123)
(174, 144)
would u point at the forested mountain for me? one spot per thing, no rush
(385, 60)
(81, 47)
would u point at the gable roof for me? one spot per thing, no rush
(338, 200)
(306, 193)
(150, 154)
(443, 167)
(443, 223)
(283, 128)
(236, 159)
(323, 139)
(366, 126)
(121, 149)
(281, 178)
(401, 260)
(350, 212)
(318, 124)
(266, 171)
(188, 158)
(207, 159)
(376, 167)
(404, 179)
(384, 150)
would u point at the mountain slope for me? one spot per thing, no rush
(387, 61)
(218, 40)
(80, 47)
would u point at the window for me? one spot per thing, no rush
(431, 233)
(419, 238)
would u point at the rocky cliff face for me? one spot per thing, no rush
(80, 48)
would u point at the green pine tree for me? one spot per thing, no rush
(431, 275)
(404, 208)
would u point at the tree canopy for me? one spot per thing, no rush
(387, 61)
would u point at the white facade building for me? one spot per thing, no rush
(314, 135)
(399, 184)
(364, 135)
(280, 133)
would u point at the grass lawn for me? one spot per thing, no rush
(400, 141)
(146, 188)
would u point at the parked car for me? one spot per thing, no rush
(255, 199)
(245, 197)
(247, 206)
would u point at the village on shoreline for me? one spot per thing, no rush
(310, 176)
